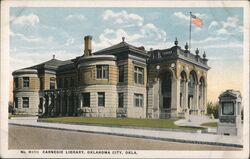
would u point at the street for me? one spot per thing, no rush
(22, 137)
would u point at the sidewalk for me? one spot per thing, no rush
(184, 137)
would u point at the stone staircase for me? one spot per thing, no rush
(194, 120)
(199, 118)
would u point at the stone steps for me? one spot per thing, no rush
(199, 118)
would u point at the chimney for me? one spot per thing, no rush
(87, 45)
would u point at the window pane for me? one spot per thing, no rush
(25, 81)
(141, 101)
(16, 82)
(16, 102)
(86, 99)
(138, 100)
(102, 72)
(25, 102)
(121, 73)
(101, 99)
(139, 75)
(120, 100)
(135, 77)
(52, 83)
(105, 75)
(99, 72)
(140, 79)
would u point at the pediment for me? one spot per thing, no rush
(230, 94)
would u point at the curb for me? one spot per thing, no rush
(123, 126)
(136, 136)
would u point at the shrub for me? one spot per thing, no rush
(213, 109)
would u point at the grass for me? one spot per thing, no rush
(211, 124)
(148, 123)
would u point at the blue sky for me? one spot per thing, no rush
(38, 33)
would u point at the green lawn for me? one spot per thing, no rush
(150, 123)
(211, 124)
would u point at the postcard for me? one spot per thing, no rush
(124, 79)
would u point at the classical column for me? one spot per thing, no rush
(46, 104)
(68, 102)
(80, 101)
(186, 96)
(196, 100)
(75, 104)
(61, 104)
(175, 96)
(156, 99)
(205, 99)
(178, 94)
(55, 103)
(43, 105)
(202, 99)
(49, 104)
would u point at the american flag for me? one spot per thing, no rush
(196, 21)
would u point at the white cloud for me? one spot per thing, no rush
(150, 31)
(30, 19)
(36, 57)
(229, 27)
(182, 16)
(209, 39)
(213, 24)
(132, 27)
(186, 17)
(24, 38)
(227, 45)
(111, 37)
(76, 17)
(123, 18)
(69, 41)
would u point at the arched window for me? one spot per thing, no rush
(201, 93)
(191, 88)
(166, 88)
(182, 87)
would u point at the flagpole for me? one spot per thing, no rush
(190, 31)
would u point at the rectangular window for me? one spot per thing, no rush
(120, 100)
(102, 71)
(86, 99)
(121, 73)
(25, 102)
(16, 102)
(52, 83)
(138, 100)
(26, 82)
(139, 75)
(101, 99)
(41, 84)
(15, 82)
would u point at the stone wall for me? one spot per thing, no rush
(33, 102)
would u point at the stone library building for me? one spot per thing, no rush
(119, 81)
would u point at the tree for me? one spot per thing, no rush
(213, 109)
